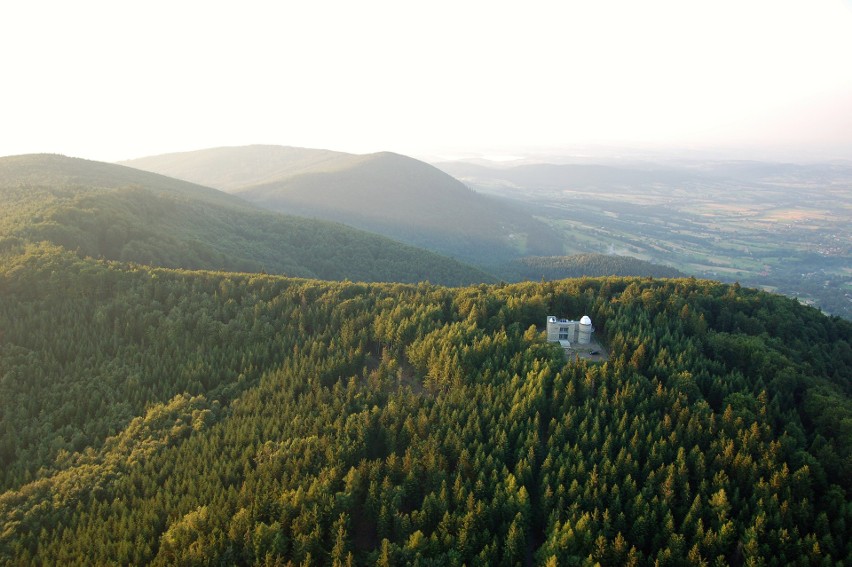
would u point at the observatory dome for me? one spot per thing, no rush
(585, 320)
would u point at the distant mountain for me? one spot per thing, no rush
(120, 213)
(234, 168)
(481, 173)
(562, 176)
(387, 193)
(590, 265)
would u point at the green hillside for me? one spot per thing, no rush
(119, 213)
(166, 417)
(26, 176)
(387, 193)
(592, 265)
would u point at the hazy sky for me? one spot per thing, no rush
(120, 79)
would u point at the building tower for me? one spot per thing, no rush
(585, 332)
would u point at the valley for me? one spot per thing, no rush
(708, 220)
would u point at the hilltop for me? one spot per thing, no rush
(165, 417)
(387, 193)
(115, 212)
(34, 176)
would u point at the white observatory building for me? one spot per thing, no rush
(567, 332)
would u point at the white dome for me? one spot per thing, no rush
(584, 320)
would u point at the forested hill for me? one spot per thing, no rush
(120, 213)
(165, 417)
(390, 194)
(592, 265)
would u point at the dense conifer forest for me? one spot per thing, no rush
(171, 417)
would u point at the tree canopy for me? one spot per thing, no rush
(160, 416)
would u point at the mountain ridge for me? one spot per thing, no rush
(383, 192)
(231, 168)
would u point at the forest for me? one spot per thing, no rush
(592, 265)
(173, 417)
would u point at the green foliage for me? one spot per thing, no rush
(156, 416)
(589, 265)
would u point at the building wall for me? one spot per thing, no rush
(561, 329)
(584, 335)
(568, 329)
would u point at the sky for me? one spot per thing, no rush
(116, 80)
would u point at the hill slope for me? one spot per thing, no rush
(154, 416)
(120, 213)
(386, 193)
